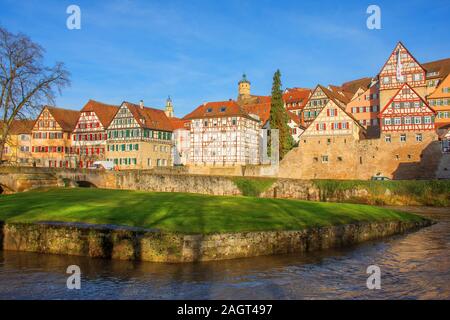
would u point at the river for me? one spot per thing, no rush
(413, 266)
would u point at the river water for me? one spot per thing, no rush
(413, 266)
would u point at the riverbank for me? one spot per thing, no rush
(171, 227)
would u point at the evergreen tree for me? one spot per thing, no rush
(278, 116)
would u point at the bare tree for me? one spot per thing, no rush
(26, 83)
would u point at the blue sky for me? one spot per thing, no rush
(196, 51)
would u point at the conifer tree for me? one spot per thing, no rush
(278, 116)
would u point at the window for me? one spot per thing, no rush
(419, 137)
(324, 159)
(407, 120)
(403, 138)
(386, 80)
(387, 138)
(417, 120)
(397, 121)
(427, 119)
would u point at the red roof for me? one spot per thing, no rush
(149, 118)
(261, 109)
(67, 119)
(104, 112)
(217, 109)
(178, 123)
(298, 95)
(294, 118)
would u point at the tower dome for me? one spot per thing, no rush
(244, 87)
(169, 108)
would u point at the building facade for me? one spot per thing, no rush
(365, 108)
(439, 100)
(407, 111)
(295, 99)
(223, 134)
(139, 138)
(182, 141)
(401, 67)
(89, 136)
(17, 149)
(318, 100)
(51, 138)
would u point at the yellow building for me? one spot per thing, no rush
(439, 100)
(51, 138)
(18, 145)
(139, 138)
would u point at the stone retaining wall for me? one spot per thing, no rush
(103, 241)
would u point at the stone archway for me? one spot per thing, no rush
(85, 184)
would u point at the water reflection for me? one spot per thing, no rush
(413, 266)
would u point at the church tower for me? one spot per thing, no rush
(244, 88)
(169, 108)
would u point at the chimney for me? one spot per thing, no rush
(141, 104)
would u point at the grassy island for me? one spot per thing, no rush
(185, 213)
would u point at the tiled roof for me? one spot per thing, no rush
(149, 118)
(217, 109)
(440, 66)
(334, 95)
(261, 109)
(178, 123)
(67, 119)
(294, 118)
(354, 85)
(298, 95)
(104, 112)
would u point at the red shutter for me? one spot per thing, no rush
(317, 127)
(340, 125)
(335, 112)
(328, 112)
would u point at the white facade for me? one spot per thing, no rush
(225, 141)
(182, 146)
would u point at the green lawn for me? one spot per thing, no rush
(182, 212)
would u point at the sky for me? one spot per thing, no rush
(197, 51)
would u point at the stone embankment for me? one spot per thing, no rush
(105, 241)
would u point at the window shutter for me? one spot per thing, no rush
(328, 112)
(317, 126)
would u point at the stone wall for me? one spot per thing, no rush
(349, 158)
(101, 241)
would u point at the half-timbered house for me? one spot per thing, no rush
(407, 111)
(89, 136)
(223, 134)
(401, 67)
(318, 100)
(139, 138)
